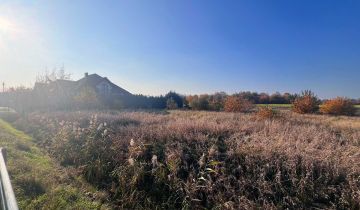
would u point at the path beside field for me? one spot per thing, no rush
(37, 181)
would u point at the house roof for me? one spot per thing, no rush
(91, 80)
(94, 79)
(64, 83)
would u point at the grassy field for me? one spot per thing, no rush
(288, 106)
(275, 105)
(207, 160)
(38, 181)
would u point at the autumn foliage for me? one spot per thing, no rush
(237, 104)
(338, 106)
(306, 103)
(266, 113)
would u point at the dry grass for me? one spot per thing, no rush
(198, 160)
(237, 104)
(37, 180)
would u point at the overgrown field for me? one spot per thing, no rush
(38, 182)
(207, 160)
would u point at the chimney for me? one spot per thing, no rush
(86, 74)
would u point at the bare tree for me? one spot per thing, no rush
(55, 74)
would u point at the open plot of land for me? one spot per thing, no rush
(197, 160)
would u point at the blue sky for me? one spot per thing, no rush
(203, 46)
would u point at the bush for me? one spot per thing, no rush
(171, 104)
(338, 106)
(237, 104)
(266, 113)
(306, 103)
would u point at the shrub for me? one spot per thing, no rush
(266, 113)
(306, 103)
(338, 106)
(171, 104)
(237, 104)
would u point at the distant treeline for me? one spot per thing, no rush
(26, 99)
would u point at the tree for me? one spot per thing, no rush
(55, 74)
(277, 98)
(237, 104)
(216, 101)
(198, 102)
(179, 100)
(338, 106)
(203, 103)
(193, 101)
(307, 102)
(264, 98)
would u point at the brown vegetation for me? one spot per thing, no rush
(338, 106)
(237, 104)
(306, 103)
(266, 113)
(198, 160)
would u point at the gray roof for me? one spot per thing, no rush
(91, 80)
(94, 79)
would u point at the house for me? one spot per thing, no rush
(91, 91)
(103, 87)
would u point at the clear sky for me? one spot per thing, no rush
(190, 46)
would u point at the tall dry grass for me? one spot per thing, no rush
(201, 160)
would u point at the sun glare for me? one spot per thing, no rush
(7, 26)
